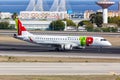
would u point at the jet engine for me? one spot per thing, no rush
(67, 47)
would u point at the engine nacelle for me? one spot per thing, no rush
(68, 47)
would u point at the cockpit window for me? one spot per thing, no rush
(103, 40)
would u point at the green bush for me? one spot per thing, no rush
(115, 20)
(97, 30)
(4, 25)
(109, 29)
(96, 18)
(57, 25)
(118, 78)
(88, 25)
(89, 28)
(70, 22)
(113, 29)
(12, 26)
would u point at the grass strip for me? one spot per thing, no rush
(56, 59)
(62, 77)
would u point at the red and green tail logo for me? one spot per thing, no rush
(19, 26)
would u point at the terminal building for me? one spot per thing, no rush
(35, 17)
(34, 24)
(87, 13)
(43, 15)
(35, 10)
(4, 15)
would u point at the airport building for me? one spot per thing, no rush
(43, 15)
(34, 24)
(4, 15)
(87, 14)
(35, 10)
(35, 17)
(110, 13)
(113, 13)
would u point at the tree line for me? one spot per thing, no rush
(97, 19)
(6, 25)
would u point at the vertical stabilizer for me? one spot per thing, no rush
(20, 28)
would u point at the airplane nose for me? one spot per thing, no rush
(109, 44)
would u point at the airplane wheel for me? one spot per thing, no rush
(71, 47)
(57, 49)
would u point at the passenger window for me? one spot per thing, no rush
(103, 40)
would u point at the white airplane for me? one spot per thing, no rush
(59, 42)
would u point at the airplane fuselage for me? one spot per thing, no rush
(59, 42)
(65, 42)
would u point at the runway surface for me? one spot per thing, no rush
(15, 49)
(27, 49)
(11, 48)
(59, 68)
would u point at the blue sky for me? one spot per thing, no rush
(20, 5)
(48, 0)
(52, 0)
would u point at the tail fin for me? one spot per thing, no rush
(20, 27)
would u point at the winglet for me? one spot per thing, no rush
(19, 26)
